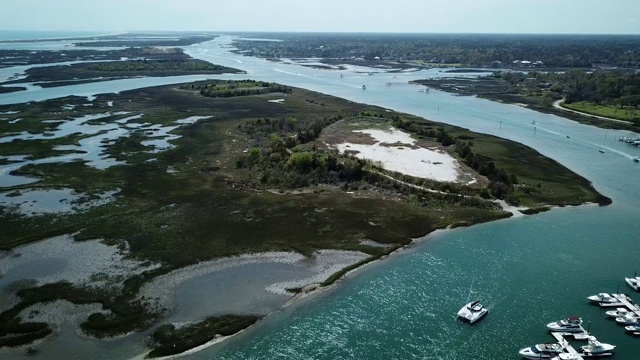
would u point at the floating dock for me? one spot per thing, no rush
(567, 347)
(626, 303)
(623, 300)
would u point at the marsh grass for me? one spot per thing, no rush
(206, 207)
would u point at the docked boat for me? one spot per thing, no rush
(472, 312)
(633, 328)
(617, 312)
(596, 348)
(605, 298)
(634, 282)
(628, 319)
(542, 351)
(570, 324)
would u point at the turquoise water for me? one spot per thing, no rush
(529, 271)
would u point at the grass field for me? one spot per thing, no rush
(614, 112)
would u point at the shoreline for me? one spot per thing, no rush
(315, 289)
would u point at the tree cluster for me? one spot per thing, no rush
(238, 88)
(615, 88)
(501, 183)
(466, 49)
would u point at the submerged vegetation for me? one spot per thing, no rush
(233, 172)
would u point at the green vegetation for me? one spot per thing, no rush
(516, 173)
(163, 64)
(477, 50)
(9, 89)
(614, 94)
(626, 113)
(237, 88)
(155, 65)
(170, 340)
(9, 57)
(231, 182)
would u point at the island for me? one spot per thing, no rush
(173, 180)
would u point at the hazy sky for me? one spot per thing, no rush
(488, 16)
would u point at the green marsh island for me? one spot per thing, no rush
(166, 182)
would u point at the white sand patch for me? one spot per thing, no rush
(397, 151)
(514, 210)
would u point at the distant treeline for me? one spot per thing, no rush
(466, 49)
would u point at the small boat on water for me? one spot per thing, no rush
(634, 328)
(570, 324)
(542, 351)
(364, 87)
(596, 348)
(605, 298)
(602, 151)
(628, 319)
(634, 282)
(636, 159)
(472, 312)
(617, 312)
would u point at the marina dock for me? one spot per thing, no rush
(627, 304)
(567, 347)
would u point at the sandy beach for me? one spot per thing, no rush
(398, 151)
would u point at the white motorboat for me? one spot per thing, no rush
(633, 328)
(570, 324)
(617, 312)
(628, 319)
(634, 282)
(472, 312)
(605, 298)
(542, 351)
(596, 348)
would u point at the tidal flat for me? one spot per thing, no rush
(195, 177)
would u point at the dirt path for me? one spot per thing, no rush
(558, 105)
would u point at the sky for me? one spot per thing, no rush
(422, 16)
